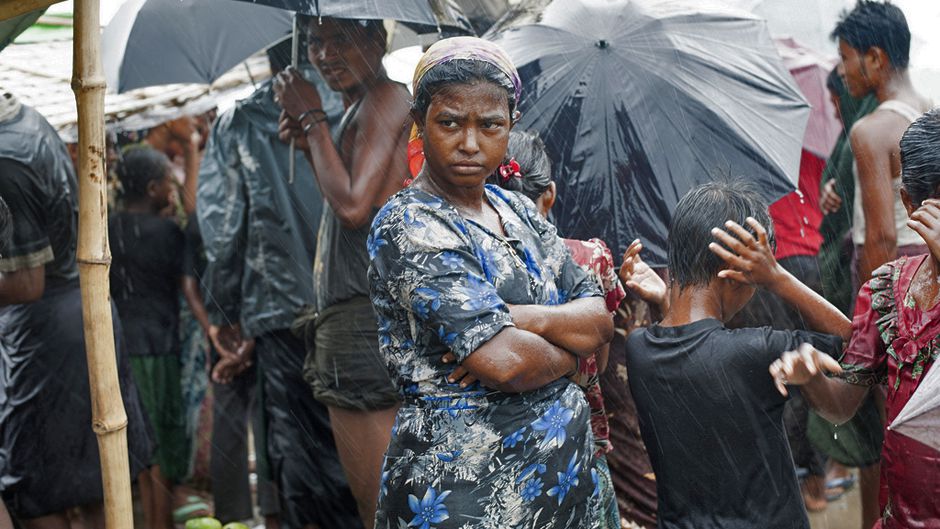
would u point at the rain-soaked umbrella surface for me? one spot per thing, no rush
(639, 101)
(920, 417)
(157, 42)
(420, 15)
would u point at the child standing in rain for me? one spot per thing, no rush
(709, 414)
(529, 172)
(894, 342)
(146, 273)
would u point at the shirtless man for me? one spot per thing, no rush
(874, 45)
(357, 170)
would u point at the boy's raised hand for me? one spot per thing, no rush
(795, 368)
(926, 222)
(637, 276)
(751, 260)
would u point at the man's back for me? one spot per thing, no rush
(712, 423)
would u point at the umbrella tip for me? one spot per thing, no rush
(602, 44)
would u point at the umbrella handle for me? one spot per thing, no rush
(294, 59)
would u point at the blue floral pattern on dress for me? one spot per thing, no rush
(441, 284)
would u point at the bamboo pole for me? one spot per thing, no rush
(109, 420)
(12, 8)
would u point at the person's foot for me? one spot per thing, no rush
(814, 493)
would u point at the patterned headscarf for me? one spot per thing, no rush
(468, 48)
(455, 48)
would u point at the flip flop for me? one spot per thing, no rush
(195, 508)
(845, 483)
(836, 488)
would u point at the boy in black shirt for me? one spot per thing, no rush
(708, 410)
(146, 272)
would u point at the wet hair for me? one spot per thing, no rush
(139, 166)
(536, 168)
(834, 82)
(709, 206)
(874, 24)
(920, 158)
(456, 72)
(6, 227)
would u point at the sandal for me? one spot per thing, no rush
(194, 508)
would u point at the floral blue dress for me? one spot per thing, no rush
(475, 458)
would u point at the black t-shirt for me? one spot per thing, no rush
(194, 256)
(712, 422)
(146, 266)
(44, 223)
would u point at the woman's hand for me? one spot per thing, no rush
(295, 94)
(752, 261)
(640, 279)
(796, 368)
(926, 222)
(829, 199)
(460, 374)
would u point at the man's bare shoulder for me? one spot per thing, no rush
(880, 129)
(388, 96)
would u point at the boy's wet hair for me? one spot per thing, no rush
(140, 165)
(536, 168)
(709, 206)
(460, 71)
(876, 24)
(920, 158)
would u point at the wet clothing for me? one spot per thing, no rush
(259, 231)
(835, 253)
(595, 259)
(712, 421)
(48, 451)
(302, 452)
(905, 235)
(344, 365)
(472, 457)
(235, 410)
(258, 228)
(158, 380)
(194, 254)
(766, 309)
(597, 262)
(146, 269)
(796, 216)
(629, 464)
(894, 344)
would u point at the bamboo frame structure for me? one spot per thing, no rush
(109, 420)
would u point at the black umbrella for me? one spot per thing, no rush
(640, 100)
(421, 15)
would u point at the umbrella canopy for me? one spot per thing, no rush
(920, 417)
(157, 42)
(640, 100)
(810, 71)
(421, 15)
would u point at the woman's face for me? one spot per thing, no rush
(466, 132)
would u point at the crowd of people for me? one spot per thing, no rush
(394, 325)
